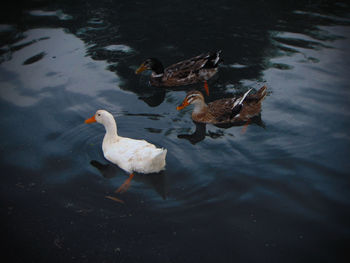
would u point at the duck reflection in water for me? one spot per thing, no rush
(154, 98)
(223, 113)
(156, 180)
(200, 133)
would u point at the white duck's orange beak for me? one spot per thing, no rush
(91, 120)
(183, 105)
(141, 68)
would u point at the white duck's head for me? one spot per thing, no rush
(101, 116)
(105, 118)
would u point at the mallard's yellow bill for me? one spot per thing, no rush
(140, 69)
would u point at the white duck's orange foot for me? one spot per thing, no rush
(125, 186)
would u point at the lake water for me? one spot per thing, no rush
(277, 193)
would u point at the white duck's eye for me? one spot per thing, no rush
(98, 114)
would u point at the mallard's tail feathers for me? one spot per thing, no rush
(259, 95)
(213, 59)
(262, 92)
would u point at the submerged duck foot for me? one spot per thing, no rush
(125, 186)
(245, 126)
(115, 199)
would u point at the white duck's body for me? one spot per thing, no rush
(129, 154)
(134, 155)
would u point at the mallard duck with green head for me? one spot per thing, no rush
(190, 71)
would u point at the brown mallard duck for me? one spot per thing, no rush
(193, 70)
(224, 111)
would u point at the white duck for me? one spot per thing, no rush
(129, 154)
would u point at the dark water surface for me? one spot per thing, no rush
(277, 193)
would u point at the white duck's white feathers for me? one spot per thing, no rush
(129, 154)
(135, 155)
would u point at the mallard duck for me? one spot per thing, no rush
(222, 111)
(129, 154)
(193, 70)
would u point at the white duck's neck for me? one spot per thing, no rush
(111, 131)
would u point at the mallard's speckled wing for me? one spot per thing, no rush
(192, 70)
(224, 110)
(237, 109)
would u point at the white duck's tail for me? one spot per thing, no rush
(158, 160)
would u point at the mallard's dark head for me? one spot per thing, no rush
(151, 64)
